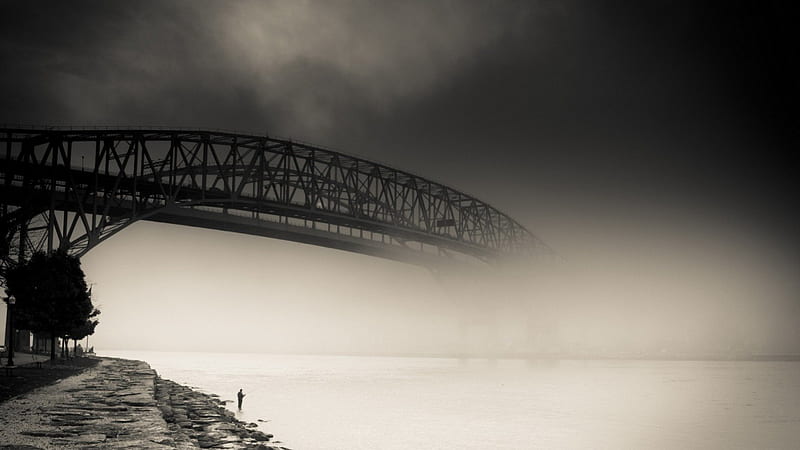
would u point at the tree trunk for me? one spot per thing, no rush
(52, 348)
(74, 347)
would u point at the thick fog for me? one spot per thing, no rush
(638, 295)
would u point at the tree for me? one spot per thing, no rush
(52, 296)
(78, 330)
(84, 329)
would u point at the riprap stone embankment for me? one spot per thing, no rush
(202, 420)
(118, 404)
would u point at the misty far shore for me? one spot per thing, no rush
(532, 356)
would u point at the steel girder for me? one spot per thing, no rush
(74, 188)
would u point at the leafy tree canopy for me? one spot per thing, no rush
(51, 292)
(86, 328)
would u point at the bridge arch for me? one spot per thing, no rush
(74, 188)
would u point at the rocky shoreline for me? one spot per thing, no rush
(202, 420)
(122, 404)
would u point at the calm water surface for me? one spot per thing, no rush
(345, 402)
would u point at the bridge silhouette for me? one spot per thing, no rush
(72, 189)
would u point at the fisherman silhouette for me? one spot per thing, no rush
(240, 395)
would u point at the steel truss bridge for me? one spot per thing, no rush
(72, 189)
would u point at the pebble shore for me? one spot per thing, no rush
(122, 404)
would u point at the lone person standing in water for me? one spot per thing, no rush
(240, 395)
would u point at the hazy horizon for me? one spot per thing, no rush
(651, 145)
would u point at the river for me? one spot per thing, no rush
(358, 402)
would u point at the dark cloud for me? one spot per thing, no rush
(539, 107)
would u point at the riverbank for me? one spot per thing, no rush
(122, 404)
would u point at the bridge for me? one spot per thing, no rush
(65, 188)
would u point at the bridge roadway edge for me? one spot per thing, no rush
(122, 404)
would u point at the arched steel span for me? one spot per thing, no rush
(74, 188)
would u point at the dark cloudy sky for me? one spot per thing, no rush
(534, 106)
(600, 125)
